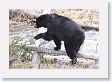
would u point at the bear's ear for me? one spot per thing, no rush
(41, 18)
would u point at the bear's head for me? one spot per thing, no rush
(41, 21)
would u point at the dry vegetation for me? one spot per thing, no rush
(86, 17)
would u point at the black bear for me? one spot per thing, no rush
(60, 28)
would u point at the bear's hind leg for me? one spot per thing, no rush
(71, 52)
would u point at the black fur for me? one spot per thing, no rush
(61, 28)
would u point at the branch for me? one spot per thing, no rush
(87, 28)
(58, 53)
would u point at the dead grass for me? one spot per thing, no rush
(86, 17)
(55, 64)
(58, 64)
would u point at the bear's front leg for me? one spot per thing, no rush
(38, 36)
(57, 42)
(46, 36)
